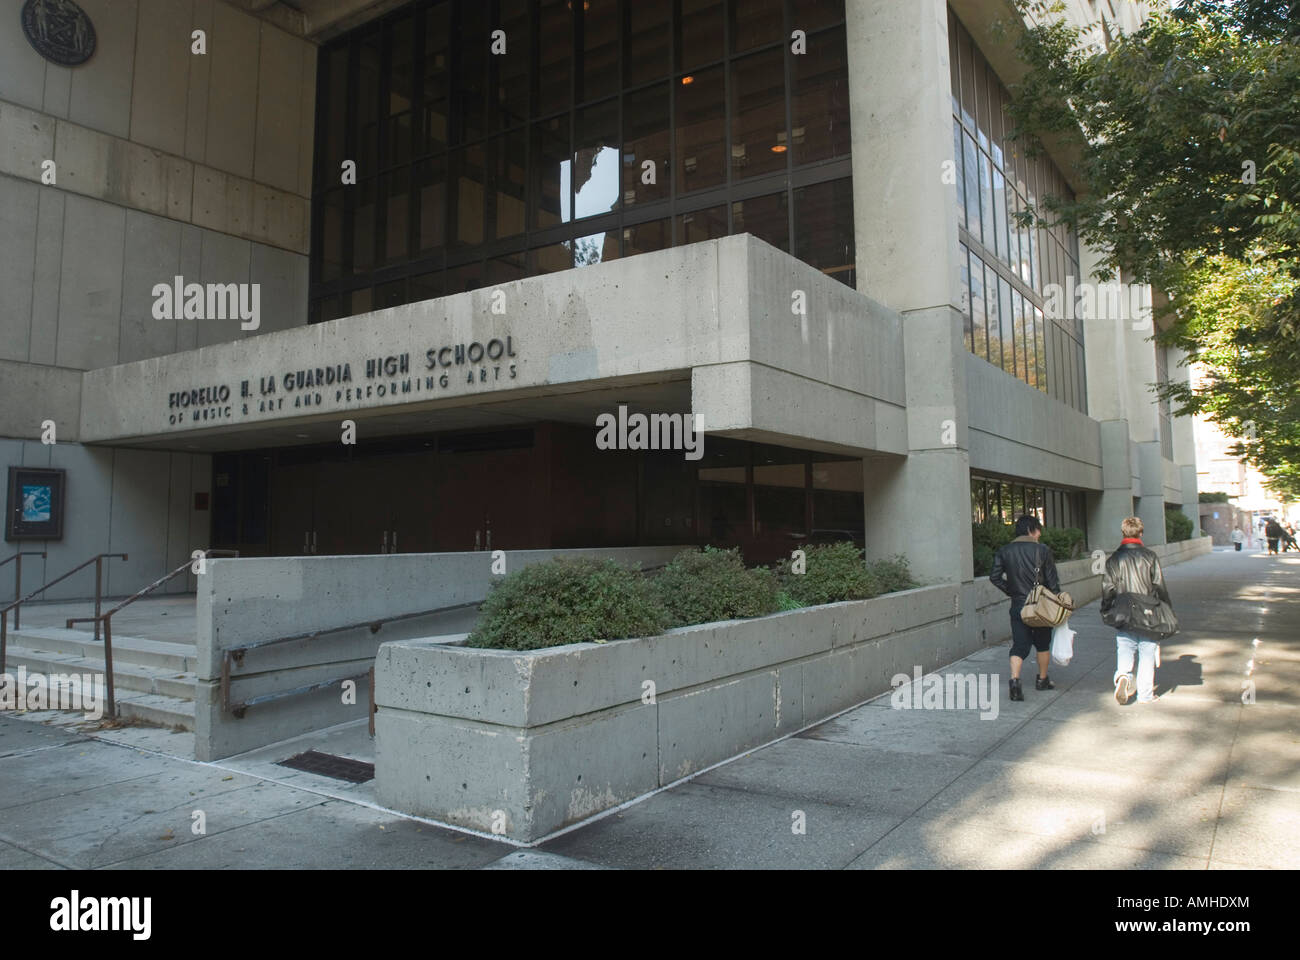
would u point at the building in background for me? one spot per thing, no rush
(475, 227)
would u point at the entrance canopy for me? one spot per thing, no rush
(758, 344)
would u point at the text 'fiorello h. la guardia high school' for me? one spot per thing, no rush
(472, 229)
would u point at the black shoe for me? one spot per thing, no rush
(1044, 683)
(1016, 692)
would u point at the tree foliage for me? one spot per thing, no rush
(1188, 138)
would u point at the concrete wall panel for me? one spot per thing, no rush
(90, 294)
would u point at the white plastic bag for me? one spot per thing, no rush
(1062, 644)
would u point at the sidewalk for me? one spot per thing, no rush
(1067, 778)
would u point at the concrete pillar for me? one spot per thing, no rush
(1151, 492)
(905, 227)
(1107, 509)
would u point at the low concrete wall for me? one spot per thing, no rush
(536, 740)
(1077, 579)
(246, 600)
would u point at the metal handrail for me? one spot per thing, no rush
(98, 560)
(18, 575)
(107, 618)
(233, 655)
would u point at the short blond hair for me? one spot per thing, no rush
(1131, 527)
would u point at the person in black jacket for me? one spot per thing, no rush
(1273, 532)
(1133, 569)
(1017, 567)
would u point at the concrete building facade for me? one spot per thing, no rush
(463, 232)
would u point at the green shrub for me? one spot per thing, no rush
(986, 538)
(833, 572)
(1065, 544)
(893, 574)
(1178, 526)
(567, 601)
(701, 586)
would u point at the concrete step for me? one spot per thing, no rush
(126, 676)
(177, 657)
(152, 708)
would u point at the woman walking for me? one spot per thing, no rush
(1133, 570)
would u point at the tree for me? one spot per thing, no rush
(1188, 134)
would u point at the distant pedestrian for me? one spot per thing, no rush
(1273, 532)
(1237, 538)
(1017, 567)
(1288, 538)
(1133, 569)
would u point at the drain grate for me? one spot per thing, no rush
(328, 765)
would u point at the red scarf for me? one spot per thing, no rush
(1137, 540)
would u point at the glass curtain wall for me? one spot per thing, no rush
(1006, 266)
(509, 138)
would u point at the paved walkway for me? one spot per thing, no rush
(1065, 779)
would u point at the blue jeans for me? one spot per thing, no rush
(1126, 646)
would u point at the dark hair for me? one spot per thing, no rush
(1027, 525)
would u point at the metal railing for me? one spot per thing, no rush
(97, 560)
(235, 655)
(107, 618)
(18, 575)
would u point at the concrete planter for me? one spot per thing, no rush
(528, 742)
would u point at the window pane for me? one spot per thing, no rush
(755, 23)
(1040, 350)
(425, 286)
(967, 82)
(699, 33)
(470, 61)
(598, 69)
(986, 200)
(1021, 335)
(995, 319)
(596, 166)
(700, 130)
(464, 278)
(764, 217)
(649, 26)
(401, 91)
(646, 137)
(823, 225)
(468, 180)
(330, 210)
(397, 212)
(759, 140)
(363, 224)
(506, 189)
(819, 99)
(1008, 340)
(368, 87)
(978, 308)
(810, 15)
(332, 140)
(956, 153)
(647, 237)
(1000, 215)
(391, 294)
(505, 268)
(548, 259)
(971, 167)
(508, 94)
(555, 42)
(707, 224)
(596, 248)
(431, 184)
(551, 161)
(963, 259)
(434, 92)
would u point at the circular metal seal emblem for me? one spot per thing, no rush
(59, 30)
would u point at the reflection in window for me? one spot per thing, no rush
(647, 237)
(597, 248)
(645, 122)
(765, 217)
(701, 130)
(759, 140)
(596, 167)
(819, 99)
(823, 224)
(707, 224)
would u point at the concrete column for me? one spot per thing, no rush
(905, 227)
(1151, 495)
(1107, 509)
(1191, 501)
